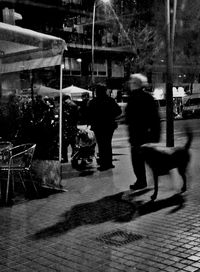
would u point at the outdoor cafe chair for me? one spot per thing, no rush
(4, 147)
(4, 150)
(18, 160)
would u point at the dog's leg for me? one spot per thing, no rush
(183, 175)
(155, 177)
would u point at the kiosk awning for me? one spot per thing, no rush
(25, 49)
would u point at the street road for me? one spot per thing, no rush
(121, 135)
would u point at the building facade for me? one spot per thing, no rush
(113, 49)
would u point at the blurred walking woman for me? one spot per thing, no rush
(143, 120)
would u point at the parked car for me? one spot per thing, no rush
(162, 110)
(191, 108)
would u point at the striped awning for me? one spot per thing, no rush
(30, 64)
(25, 49)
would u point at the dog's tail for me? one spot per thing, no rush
(189, 135)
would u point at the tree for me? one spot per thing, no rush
(143, 36)
(146, 46)
(187, 31)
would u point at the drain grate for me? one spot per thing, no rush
(119, 238)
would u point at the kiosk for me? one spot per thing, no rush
(25, 50)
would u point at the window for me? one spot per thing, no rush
(72, 67)
(117, 69)
(100, 68)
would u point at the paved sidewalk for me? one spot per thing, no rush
(98, 226)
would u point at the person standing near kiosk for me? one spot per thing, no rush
(102, 114)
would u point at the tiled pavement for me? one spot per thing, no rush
(98, 226)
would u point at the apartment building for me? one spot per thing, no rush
(97, 36)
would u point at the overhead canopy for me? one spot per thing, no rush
(25, 49)
(45, 91)
(73, 91)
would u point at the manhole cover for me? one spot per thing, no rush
(119, 238)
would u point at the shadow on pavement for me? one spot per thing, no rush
(22, 196)
(151, 206)
(45, 192)
(86, 172)
(110, 208)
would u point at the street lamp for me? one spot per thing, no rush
(93, 23)
(170, 23)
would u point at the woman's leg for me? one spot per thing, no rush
(138, 168)
(104, 141)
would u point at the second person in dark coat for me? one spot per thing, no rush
(102, 114)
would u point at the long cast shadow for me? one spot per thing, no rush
(176, 200)
(110, 208)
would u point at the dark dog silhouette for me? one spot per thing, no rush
(163, 159)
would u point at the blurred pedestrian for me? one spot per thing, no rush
(10, 117)
(70, 121)
(41, 129)
(143, 120)
(102, 114)
(83, 108)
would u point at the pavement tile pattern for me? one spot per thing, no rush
(100, 226)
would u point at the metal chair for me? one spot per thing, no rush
(4, 147)
(4, 152)
(18, 160)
